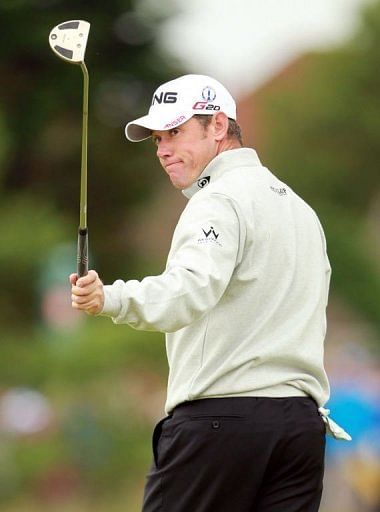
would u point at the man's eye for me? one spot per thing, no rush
(174, 131)
(156, 140)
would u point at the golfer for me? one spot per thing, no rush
(243, 304)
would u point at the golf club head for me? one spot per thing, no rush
(68, 40)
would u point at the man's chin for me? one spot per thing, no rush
(179, 187)
(178, 184)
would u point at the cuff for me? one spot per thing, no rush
(111, 305)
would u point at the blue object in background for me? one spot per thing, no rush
(359, 414)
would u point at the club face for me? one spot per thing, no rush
(68, 40)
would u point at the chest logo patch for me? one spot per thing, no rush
(203, 182)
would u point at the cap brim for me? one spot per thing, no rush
(136, 131)
(141, 128)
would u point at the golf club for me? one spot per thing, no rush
(68, 40)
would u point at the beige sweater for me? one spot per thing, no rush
(242, 300)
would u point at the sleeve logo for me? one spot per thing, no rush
(209, 232)
(209, 236)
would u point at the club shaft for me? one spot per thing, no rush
(82, 248)
(83, 174)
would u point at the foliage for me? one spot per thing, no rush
(97, 445)
(94, 377)
(41, 115)
(105, 384)
(322, 128)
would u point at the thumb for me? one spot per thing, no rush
(73, 278)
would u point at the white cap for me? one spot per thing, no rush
(177, 101)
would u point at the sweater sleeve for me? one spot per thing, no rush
(205, 250)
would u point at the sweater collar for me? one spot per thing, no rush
(225, 161)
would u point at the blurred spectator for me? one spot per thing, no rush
(352, 478)
(24, 411)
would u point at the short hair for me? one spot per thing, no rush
(233, 132)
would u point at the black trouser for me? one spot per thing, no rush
(238, 455)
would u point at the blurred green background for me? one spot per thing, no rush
(78, 395)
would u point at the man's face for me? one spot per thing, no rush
(185, 151)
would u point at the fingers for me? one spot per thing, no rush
(83, 291)
(90, 278)
(73, 278)
(84, 285)
(85, 280)
(87, 293)
(92, 308)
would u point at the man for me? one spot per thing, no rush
(242, 302)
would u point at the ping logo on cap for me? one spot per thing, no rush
(165, 97)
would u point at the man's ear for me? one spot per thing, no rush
(220, 125)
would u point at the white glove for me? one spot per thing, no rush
(332, 428)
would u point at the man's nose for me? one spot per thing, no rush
(163, 149)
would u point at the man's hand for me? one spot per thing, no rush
(87, 293)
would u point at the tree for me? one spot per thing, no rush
(40, 117)
(322, 131)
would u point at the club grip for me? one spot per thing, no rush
(82, 252)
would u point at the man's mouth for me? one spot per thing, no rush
(170, 165)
